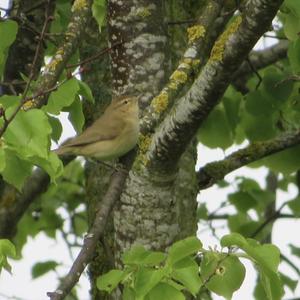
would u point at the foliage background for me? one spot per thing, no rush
(226, 141)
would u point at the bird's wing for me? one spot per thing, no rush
(100, 130)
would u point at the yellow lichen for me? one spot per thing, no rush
(160, 102)
(60, 51)
(52, 65)
(172, 85)
(70, 35)
(28, 105)
(195, 32)
(219, 47)
(179, 76)
(196, 62)
(187, 60)
(79, 4)
(144, 144)
(143, 12)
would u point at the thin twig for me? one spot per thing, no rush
(31, 76)
(86, 253)
(35, 6)
(182, 22)
(255, 72)
(212, 172)
(14, 82)
(39, 94)
(290, 263)
(271, 218)
(226, 216)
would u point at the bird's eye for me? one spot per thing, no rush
(125, 101)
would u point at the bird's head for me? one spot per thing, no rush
(125, 104)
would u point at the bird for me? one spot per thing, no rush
(112, 135)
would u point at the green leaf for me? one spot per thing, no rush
(85, 91)
(289, 282)
(247, 184)
(7, 248)
(243, 201)
(2, 159)
(138, 255)
(287, 161)
(267, 258)
(164, 291)
(29, 137)
(128, 293)
(258, 104)
(294, 205)
(16, 170)
(233, 239)
(40, 269)
(276, 86)
(227, 277)
(183, 248)
(99, 11)
(110, 280)
(267, 255)
(293, 6)
(232, 102)
(216, 130)
(295, 250)
(74, 172)
(291, 27)
(186, 271)
(272, 284)
(260, 127)
(63, 97)
(8, 101)
(52, 165)
(29, 134)
(263, 198)
(76, 115)
(8, 33)
(56, 128)
(241, 223)
(146, 279)
(202, 212)
(259, 291)
(80, 224)
(293, 55)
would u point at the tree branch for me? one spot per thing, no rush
(259, 60)
(290, 263)
(177, 130)
(212, 172)
(81, 13)
(87, 251)
(191, 61)
(262, 58)
(36, 184)
(213, 217)
(11, 214)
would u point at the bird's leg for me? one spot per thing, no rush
(103, 163)
(116, 166)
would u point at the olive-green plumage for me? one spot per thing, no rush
(110, 136)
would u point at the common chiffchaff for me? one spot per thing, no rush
(110, 136)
